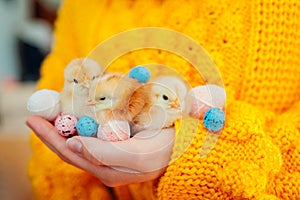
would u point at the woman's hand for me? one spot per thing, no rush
(140, 158)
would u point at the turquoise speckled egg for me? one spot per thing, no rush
(214, 119)
(87, 126)
(140, 73)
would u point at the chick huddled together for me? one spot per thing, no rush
(115, 106)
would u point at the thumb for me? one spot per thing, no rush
(140, 153)
(102, 152)
(76, 145)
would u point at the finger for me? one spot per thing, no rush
(44, 131)
(143, 154)
(75, 145)
(42, 128)
(48, 135)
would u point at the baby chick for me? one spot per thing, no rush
(78, 75)
(116, 97)
(164, 105)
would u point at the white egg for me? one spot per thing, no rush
(201, 98)
(44, 103)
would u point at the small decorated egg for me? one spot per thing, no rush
(114, 131)
(202, 98)
(140, 73)
(87, 126)
(214, 119)
(66, 125)
(44, 103)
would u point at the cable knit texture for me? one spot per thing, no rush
(255, 45)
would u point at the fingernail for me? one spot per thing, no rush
(74, 144)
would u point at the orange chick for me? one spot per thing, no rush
(116, 97)
(78, 75)
(164, 104)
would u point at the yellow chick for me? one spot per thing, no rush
(116, 97)
(165, 104)
(78, 75)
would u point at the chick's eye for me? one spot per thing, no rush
(165, 97)
(93, 77)
(75, 81)
(102, 98)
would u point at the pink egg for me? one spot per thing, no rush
(66, 125)
(198, 109)
(202, 98)
(114, 131)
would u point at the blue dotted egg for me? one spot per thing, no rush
(140, 73)
(214, 119)
(87, 126)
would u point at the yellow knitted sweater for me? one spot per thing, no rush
(255, 45)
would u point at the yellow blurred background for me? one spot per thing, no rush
(25, 39)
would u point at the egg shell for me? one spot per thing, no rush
(44, 103)
(66, 125)
(140, 73)
(87, 126)
(114, 131)
(214, 119)
(202, 98)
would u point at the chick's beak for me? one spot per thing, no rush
(86, 84)
(176, 104)
(91, 103)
